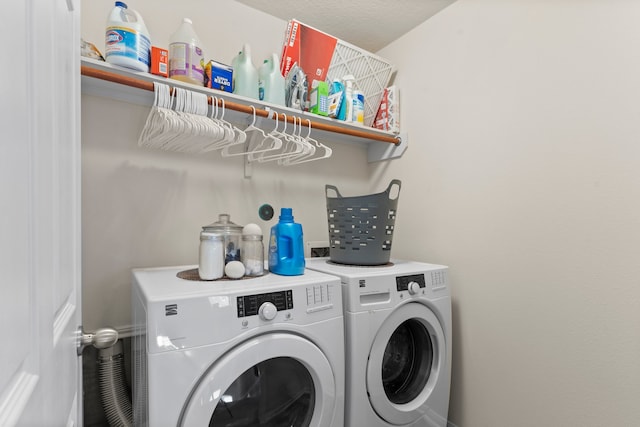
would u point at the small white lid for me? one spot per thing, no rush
(252, 230)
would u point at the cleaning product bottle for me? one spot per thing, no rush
(234, 67)
(286, 247)
(319, 98)
(263, 74)
(358, 107)
(271, 81)
(185, 55)
(245, 74)
(336, 93)
(346, 109)
(127, 41)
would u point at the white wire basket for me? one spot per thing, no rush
(372, 74)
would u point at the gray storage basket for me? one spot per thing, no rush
(361, 227)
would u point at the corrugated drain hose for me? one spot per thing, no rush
(114, 394)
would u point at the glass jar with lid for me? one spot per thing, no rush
(211, 263)
(253, 254)
(252, 250)
(232, 234)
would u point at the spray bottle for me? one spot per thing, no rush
(346, 109)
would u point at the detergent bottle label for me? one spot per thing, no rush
(186, 60)
(273, 250)
(128, 43)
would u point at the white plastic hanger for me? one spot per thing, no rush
(291, 145)
(272, 142)
(195, 130)
(325, 152)
(230, 133)
(252, 133)
(158, 118)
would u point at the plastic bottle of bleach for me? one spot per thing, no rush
(286, 247)
(271, 81)
(245, 75)
(185, 55)
(127, 41)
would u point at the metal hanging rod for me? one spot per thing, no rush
(147, 85)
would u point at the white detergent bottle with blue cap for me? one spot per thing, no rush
(127, 41)
(271, 82)
(245, 74)
(286, 247)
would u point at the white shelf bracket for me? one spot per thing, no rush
(248, 168)
(380, 151)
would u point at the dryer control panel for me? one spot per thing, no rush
(402, 282)
(249, 305)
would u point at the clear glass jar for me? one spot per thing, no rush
(232, 233)
(253, 254)
(211, 265)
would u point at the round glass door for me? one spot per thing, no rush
(407, 360)
(272, 380)
(405, 363)
(273, 393)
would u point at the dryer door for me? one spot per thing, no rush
(406, 364)
(273, 380)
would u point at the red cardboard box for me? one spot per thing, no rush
(159, 59)
(312, 49)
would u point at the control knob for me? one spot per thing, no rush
(267, 311)
(413, 288)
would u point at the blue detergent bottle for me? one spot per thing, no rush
(286, 247)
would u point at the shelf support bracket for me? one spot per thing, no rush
(248, 168)
(379, 151)
(252, 140)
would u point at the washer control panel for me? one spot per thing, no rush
(410, 283)
(249, 305)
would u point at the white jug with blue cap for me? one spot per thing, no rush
(271, 81)
(245, 74)
(127, 41)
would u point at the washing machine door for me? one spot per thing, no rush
(273, 380)
(406, 364)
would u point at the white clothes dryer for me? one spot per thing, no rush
(265, 351)
(398, 342)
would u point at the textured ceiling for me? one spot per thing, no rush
(368, 24)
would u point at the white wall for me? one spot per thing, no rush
(145, 208)
(522, 175)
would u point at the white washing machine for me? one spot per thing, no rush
(398, 342)
(265, 351)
